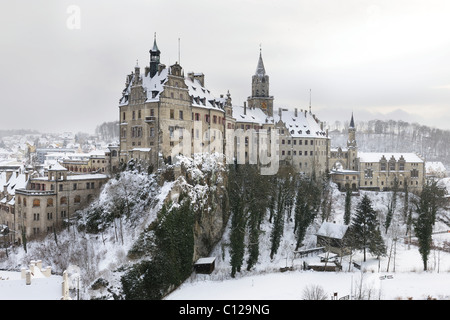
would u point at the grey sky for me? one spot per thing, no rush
(376, 58)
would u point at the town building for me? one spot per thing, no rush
(33, 205)
(375, 170)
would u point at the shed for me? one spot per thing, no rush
(205, 265)
(332, 236)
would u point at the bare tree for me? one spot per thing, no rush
(314, 292)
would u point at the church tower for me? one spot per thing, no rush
(260, 90)
(154, 58)
(352, 146)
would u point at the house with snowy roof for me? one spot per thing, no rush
(46, 203)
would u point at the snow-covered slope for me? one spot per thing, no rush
(399, 275)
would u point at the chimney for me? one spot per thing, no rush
(245, 107)
(296, 114)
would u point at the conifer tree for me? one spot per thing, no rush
(426, 209)
(365, 231)
(348, 206)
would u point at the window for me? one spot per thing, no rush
(172, 114)
(383, 166)
(123, 117)
(181, 114)
(139, 114)
(36, 217)
(152, 132)
(392, 166)
(36, 203)
(74, 186)
(49, 202)
(77, 199)
(368, 173)
(134, 115)
(414, 173)
(49, 215)
(63, 200)
(152, 112)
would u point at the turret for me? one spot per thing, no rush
(154, 58)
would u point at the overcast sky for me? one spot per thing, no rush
(63, 63)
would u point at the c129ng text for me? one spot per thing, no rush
(246, 309)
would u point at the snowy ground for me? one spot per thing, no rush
(408, 281)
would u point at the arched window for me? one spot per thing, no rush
(63, 200)
(36, 203)
(50, 202)
(77, 199)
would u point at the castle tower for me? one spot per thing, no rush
(352, 146)
(260, 89)
(154, 58)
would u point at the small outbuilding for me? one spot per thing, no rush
(332, 236)
(205, 265)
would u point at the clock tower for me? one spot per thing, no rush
(260, 97)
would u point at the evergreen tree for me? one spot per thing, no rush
(237, 233)
(253, 239)
(365, 230)
(348, 206)
(391, 205)
(278, 224)
(426, 208)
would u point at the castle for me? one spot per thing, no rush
(164, 112)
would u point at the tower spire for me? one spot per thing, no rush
(352, 122)
(154, 58)
(260, 70)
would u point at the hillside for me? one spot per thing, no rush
(109, 238)
(403, 265)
